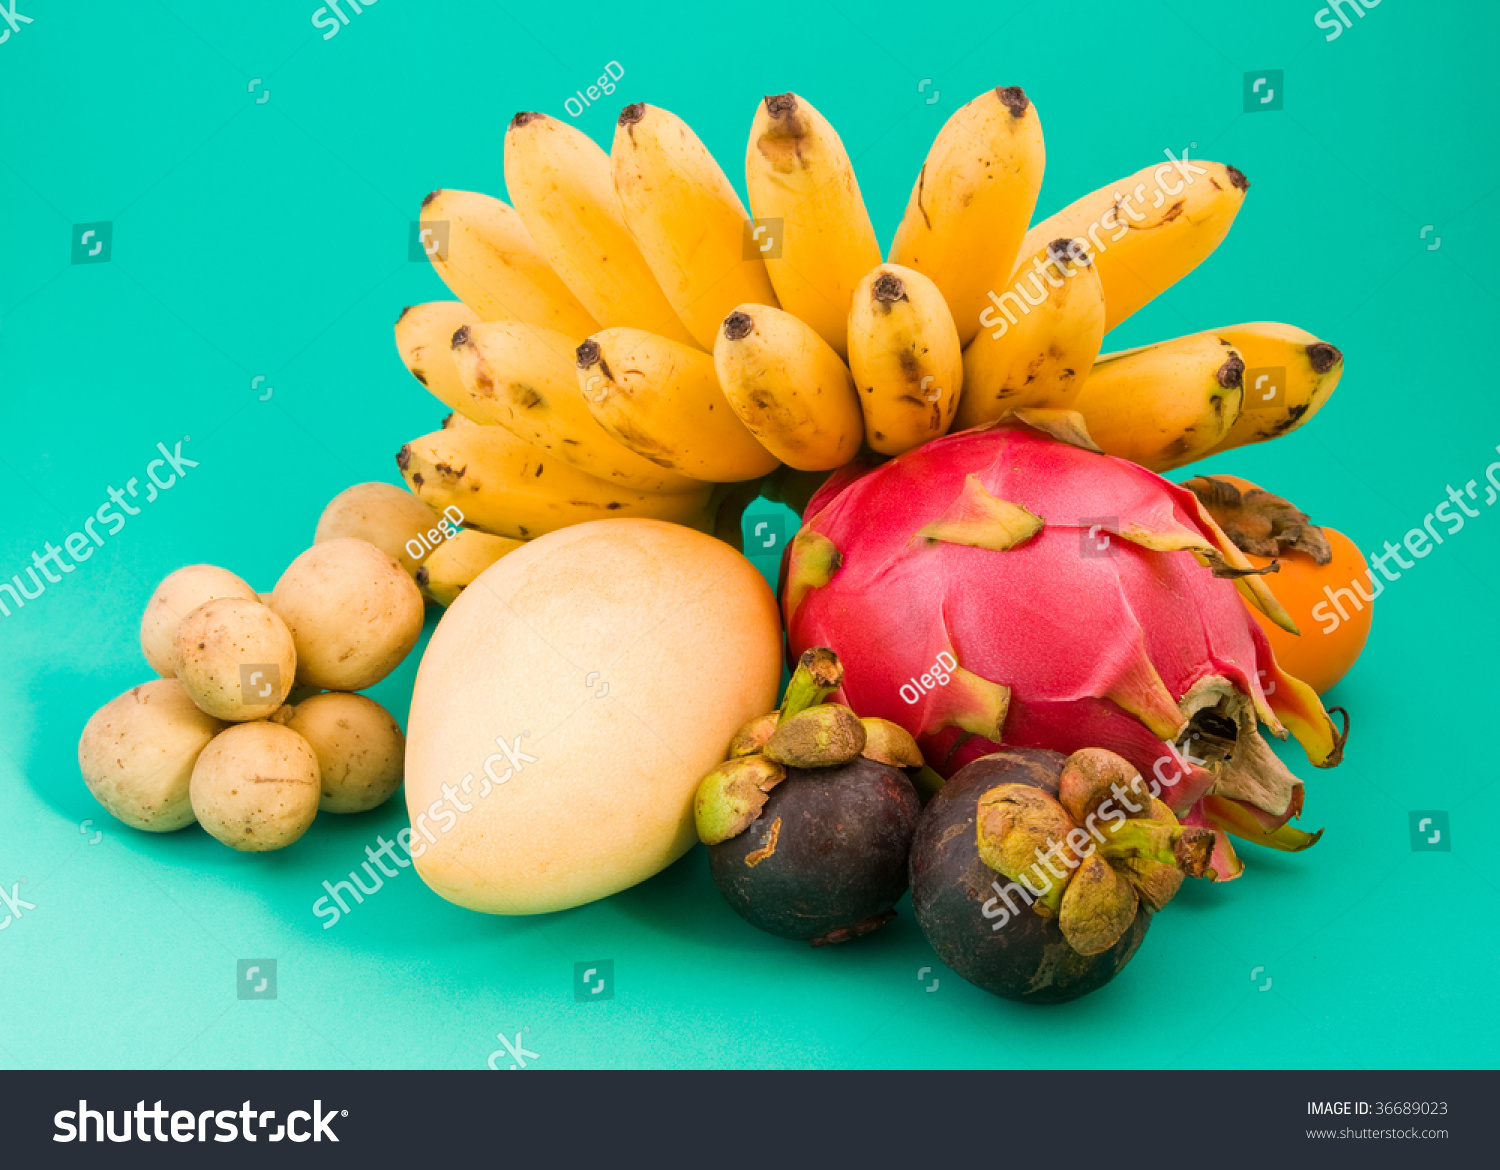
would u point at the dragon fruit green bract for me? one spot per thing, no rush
(1002, 585)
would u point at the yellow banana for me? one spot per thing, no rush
(560, 182)
(489, 260)
(662, 400)
(452, 566)
(1166, 404)
(1148, 230)
(521, 377)
(789, 387)
(423, 335)
(687, 220)
(1040, 355)
(509, 488)
(1289, 374)
(905, 358)
(800, 178)
(971, 203)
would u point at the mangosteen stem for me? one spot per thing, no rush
(817, 676)
(1170, 844)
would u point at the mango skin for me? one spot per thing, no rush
(598, 672)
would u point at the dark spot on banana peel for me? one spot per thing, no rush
(526, 397)
(416, 479)
(1231, 374)
(540, 467)
(400, 317)
(909, 366)
(768, 849)
(1014, 99)
(612, 505)
(460, 337)
(422, 577)
(1237, 177)
(525, 117)
(1323, 357)
(1289, 421)
(422, 378)
(587, 354)
(1069, 250)
(738, 326)
(632, 114)
(426, 199)
(1171, 213)
(403, 456)
(447, 469)
(887, 289)
(921, 185)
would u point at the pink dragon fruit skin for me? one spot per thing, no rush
(999, 585)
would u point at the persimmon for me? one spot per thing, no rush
(1323, 581)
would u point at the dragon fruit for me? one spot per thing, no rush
(1014, 585)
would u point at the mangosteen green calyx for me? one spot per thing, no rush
(809, 821)
(1035, 875)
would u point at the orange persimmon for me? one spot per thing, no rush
(1331, 602)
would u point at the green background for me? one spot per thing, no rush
(269, 238)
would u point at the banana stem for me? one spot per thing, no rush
(817, 676)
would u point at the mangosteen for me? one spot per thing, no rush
(1035, 875)
(809, 822)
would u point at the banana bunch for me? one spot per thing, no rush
(628, 338)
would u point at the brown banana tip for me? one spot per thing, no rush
(1014, 99)
(632, 114)
(781, 105)
(430, 196)
(587, 354)
(422, 577)
(401, 316)
(1323, 357)
(460, 337)
(738, 325)
(448, 419)
(403, 456)
(525, 116)
(888, 288)
(1232, 373)
(1237, 177)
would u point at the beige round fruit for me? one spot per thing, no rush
(236, 659)
(137, 754)
(353, 611)
(360, 749)
(568, 704)
(389, 517)
(177, 596)
(255, 787)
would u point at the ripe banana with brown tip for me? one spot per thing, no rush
(561, 184)
(1166, 404)
(905, 357)
(1148, 230)
(971, 203)
(662, 400)
(1289, 374)
(521, 377)
(789, 387)
(423, 335)
(799, 176)
(484, 253)
(451, 567)
(1038, 353)
(508, 488)
(686, 219)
